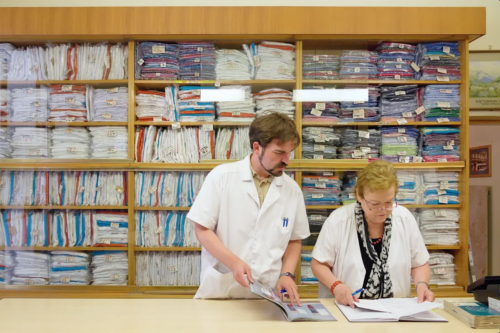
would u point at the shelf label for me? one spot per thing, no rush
(443, 104)
(111, 102)
(176, 125)
(106, 116)
(443, 199)
(319, 148)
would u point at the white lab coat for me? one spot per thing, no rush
(229, 205)
(338, 246)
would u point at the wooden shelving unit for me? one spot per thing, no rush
(292, 25)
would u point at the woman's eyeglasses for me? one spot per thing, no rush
(382, 205)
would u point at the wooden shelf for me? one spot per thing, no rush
(380, 123)
(56, 164)
(161, 84)
(375, 82)
(67, 207)
(360, 164)
(407, 206)
(429, 247)
(93, 83)
(61, 124)
(194, 123)
(166, 249)
(57, 248)
(162, 208)
(324, 207)
(208, 165)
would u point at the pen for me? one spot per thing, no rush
(283, 291)
(357, 291)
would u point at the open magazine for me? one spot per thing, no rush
(312, 311)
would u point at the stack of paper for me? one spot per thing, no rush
(168, 268)
(109, 104)
(31, 268)
(72, 228)
(110, 268)
(109, 142)
(110, 228)
(473, 313)
(70, 268)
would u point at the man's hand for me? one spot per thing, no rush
(288, 284)
(240, 269)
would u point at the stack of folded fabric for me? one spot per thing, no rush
(197, 61)
(70, 143)
(407, 189)
(7, 262)
(363, 111)
(30, 104)
(70, 268)
(439, 226)
(320, 111)
(94, 62)
(119, 62)
(441, 144)
(71, 228)
(358, 144)
(443, 269)
(320, 67)
(179, 268)
(233, 65)
(306, 274)
(320, 143)
(110, 268)
(157, 61)
(5, 50)
(191, 108)
(275, 100)
(348, 181)
(441, 188)
(109, 104)
(110, 228)
(167, 189)
(442, 103)
(232, 143)
(395, 61)
(84, 188)
(31, 188)
(31, 268)
(109, 142)
(30, 63)
(24, 228)
(152, 106)
(399, 144)
(438, 61)
(68, 103)
(243, 111)
(320, 190)
(398, 102)
(276, 61)
(163, 228)
(5, 104)
(358, 65)
(29, 142)
(5, 146)
(317, 218)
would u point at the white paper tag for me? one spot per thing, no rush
(447, 147)
(450, 143)
(407, 114)
(168, 150)
(400, 92)
(440, 212)
(315, 217)
(119, 189)
(445, 91)
(69, 100)
(402, 139)
(404, 159)
(443, 120)
(32, 152)
(357, 69)
(317, 196)
(352, 196)
(434, 57)
(71, 150)
(111, 133)
(399, 59)
(111, 102)
(152, 189)
(318, 157)
(443, 104)
(444, 185)
(442, 70)
(442, 78)
(442, 160)
(401, 153)
(176, 125)
(112, 150)
(397, 77)
(319, 148)
(67, 88)
(322, 179)
(365, 150)
(207, 127)
(200, 49)
(106, 241)
(204, 150)
(328, 173)
(364, 134)
(320, 185)
(401, 130)
(418, 159)
(157, 119)
(358, 113)
(443, 200)
(115, 225)
(401, 183)
(106, 116)
(420, 110)
(140, 62)
(401, 121)
(236, 113)
(157, 49)
(415, 67)
(399, 66)
(446, 49)
(441, 192)
(320, 106)
(316, 113)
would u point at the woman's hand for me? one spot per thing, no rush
(424, 294)
(343, 295)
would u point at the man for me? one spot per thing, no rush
(250, 217)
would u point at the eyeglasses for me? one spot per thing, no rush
(381, 206)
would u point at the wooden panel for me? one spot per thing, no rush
(478, 227)
(86, 22)
(131, 228)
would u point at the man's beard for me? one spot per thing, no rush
(273, 171)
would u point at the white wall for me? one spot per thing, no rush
(490, 41)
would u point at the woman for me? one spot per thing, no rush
(372, 244)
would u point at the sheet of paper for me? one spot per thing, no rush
(359, 314)
(373, 305)
(403, 307)
(424, 316)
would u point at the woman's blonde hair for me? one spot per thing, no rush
(378, 175)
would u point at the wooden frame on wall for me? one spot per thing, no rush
(480, 161)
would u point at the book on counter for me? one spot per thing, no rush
(473, 313)
(310, 311)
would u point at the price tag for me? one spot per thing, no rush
(352, 196)
(112, 90)
(207, 127)
(152, 189)
(327, 173)
(119, 189)
(445, 91)
(236, 113)
(69, 259)
(365, 150)
(108, 258)
(446, 49)
(442, 160)
(200, 49)
(442, 78)
(448, 147)
(441, 192)
(401, 130)
(401, 183)
(217, 83)
(65, 280)
(111, 133)
(358, 113)
(443, 104)
(444, 185)
(106, 241)
(111, 102)
(157, 49)
(342, 122)
(320, 138)
(256, 60)
(318, 157)
(315, 217)
(197, 60)
(163, 64)
(358, 153)
(364, 134)
(323, 179)
(112, 150)
(157, 74)
(402, 121)
(227, 51)
(401, 153)
(443, 120)
(440, 212)
(67, 88)
(316, 113)
(277, 54)
(320, 185)
(402, 139)
(404, 159)
(114, 277)
(400, 92)
(35, 104)
(319, 148)
(399, 59)
(420, 110)
(442, 70)
(32, 152)
(176, 125)
(415, 67)
(71, 150)
(357, 69)
(434, 57)
(140, 62)
(168, 150)
(317, 196)
(115, 225)
(29, 282)
(173, 269)
(399, 66)
(70, 119)
(443, 199)
(407, 114)
(397, 77)
(27, 90)
(106, 116)
(439, 271)
(69, 100)
(320, 106)
(204, 150)
(158, 230)
(450, 143)
(157, 119)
